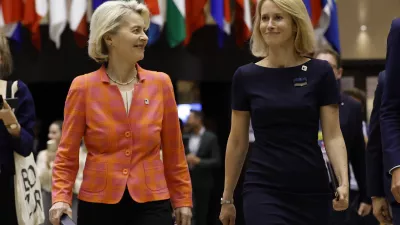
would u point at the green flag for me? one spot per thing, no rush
(176, 26)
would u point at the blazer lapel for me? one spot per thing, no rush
(203, 142)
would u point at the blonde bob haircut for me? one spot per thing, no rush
(6, 65)
(304, 41)
(107, 19)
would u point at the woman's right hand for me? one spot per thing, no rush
(57, 210)
(341, 203)
(228, 214)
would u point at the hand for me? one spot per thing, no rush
(380, 209)
(396, 184)
(192, 159)
(57, 210)
(8, 117)
(364, 209)
(228, 214)
(343, 202)
(183, 216)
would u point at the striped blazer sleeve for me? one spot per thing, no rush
(66, 164)
(176, 168)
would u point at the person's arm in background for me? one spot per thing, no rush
(356, 154)
(390, 109)
(22, 137)
(43, 170)
(374, 159)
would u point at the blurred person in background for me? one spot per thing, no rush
(286, 95)
(45, 161)
(125, 114)
(351, 123)
(16, 133)
(203, 156)
(361, 97)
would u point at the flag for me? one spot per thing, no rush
(97, 3)
(314, 9)
(12, 11)
(34, 11)
(77, 21)
(176, 29)
(10, 16)
(217, 12)
(195, 18)
(57, 20)
(332, 33)
(323, 14)
(153, 6)
(227, 17)
(243, 21)
(157, 10)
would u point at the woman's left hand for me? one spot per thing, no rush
(183, 216)
(8, 117)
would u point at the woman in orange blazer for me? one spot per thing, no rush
(125, 114)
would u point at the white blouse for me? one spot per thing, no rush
(127, 98)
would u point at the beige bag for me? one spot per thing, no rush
(28, 194)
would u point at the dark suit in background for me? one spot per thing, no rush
(390, 108)
(202, 174)
(350, 114)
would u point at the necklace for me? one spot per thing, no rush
(120, 83)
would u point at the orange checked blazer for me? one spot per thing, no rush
(123, 150)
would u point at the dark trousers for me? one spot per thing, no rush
(126, 212)
(201, 199)
(350, 216)
(7, 201)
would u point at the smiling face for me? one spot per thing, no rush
(130, 40)
(54, 133)
(276, 26)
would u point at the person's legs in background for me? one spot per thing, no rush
(7, 199)
(46, 197)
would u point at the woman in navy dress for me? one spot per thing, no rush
(287, 96)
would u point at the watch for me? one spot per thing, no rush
(223, 201)
(12, 126)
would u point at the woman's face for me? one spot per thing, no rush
(276, 25)
(130, 40)
(55, 133)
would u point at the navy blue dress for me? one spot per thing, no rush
(286, 181)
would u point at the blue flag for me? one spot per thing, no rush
(217, 12)
(154, 33)
(97, 3)
(332, 33)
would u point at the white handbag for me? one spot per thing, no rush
(28, 191)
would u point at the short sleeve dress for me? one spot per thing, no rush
(286, 181)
